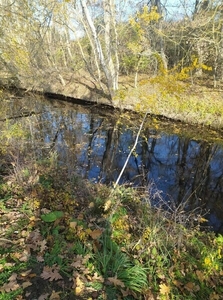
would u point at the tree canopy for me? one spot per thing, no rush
(108, 38)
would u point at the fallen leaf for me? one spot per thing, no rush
(12, 285)
(214, 296)
(55, 296)
(116, 281)
(78, 262)
(27, 294)
(25, 256)
(91, 205)
(43, 297)
(2, 267)
(191, 287)
(13, 277)
(95, 234)
(97, 277)
(51, 273)
(149, 295)
(200, 275)
(25, 273)
(40, 258)
(42, 245)
(79, 285)
(80, 216)
(107, 205)
(125, 293)
(26, 284)
(73, 225)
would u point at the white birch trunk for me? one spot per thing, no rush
(105, 60)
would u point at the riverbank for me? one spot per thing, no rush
(164, 96)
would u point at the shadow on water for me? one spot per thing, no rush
(96, 142)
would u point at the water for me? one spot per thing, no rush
(183, 165)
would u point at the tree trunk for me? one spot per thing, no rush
(106, 62)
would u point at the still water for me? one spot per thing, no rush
(183, 164)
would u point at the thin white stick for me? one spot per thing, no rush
(130, 153)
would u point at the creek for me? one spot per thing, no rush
(176, 162)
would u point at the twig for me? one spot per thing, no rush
(130, 153)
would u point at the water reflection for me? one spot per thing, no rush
(96, 144)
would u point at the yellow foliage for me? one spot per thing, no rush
(149, 16)
(207, 261)
(135, 47)
(146, 233)
(143, 20)
(164, 289)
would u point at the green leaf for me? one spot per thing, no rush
(219, 239)
(154, 251)
(52, 216)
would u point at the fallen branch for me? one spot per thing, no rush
(130, 153)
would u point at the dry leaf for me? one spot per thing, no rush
(12, 277)
(25, 273)
(55, 296)
(164, 289)
(200, 275)
(97, 277)
(42, 245)
(12, 285)
(73, 225)
(80, 216)
(43, 297)
(51, 273)
(91, 205)
(26, 284)
(149, 295)
(79, 285)
(214, 296)
(116, 281)
(25, 256)
(125, 293)
(191, 287)
(40, 258)
(107, 205)
(78, 263)
(95, 234)
(2, 267)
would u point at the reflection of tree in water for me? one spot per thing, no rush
(108, 167)
(185, 170)
(97, 147)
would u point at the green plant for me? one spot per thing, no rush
(116, 267)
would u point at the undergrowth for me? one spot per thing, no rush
(79, 240)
